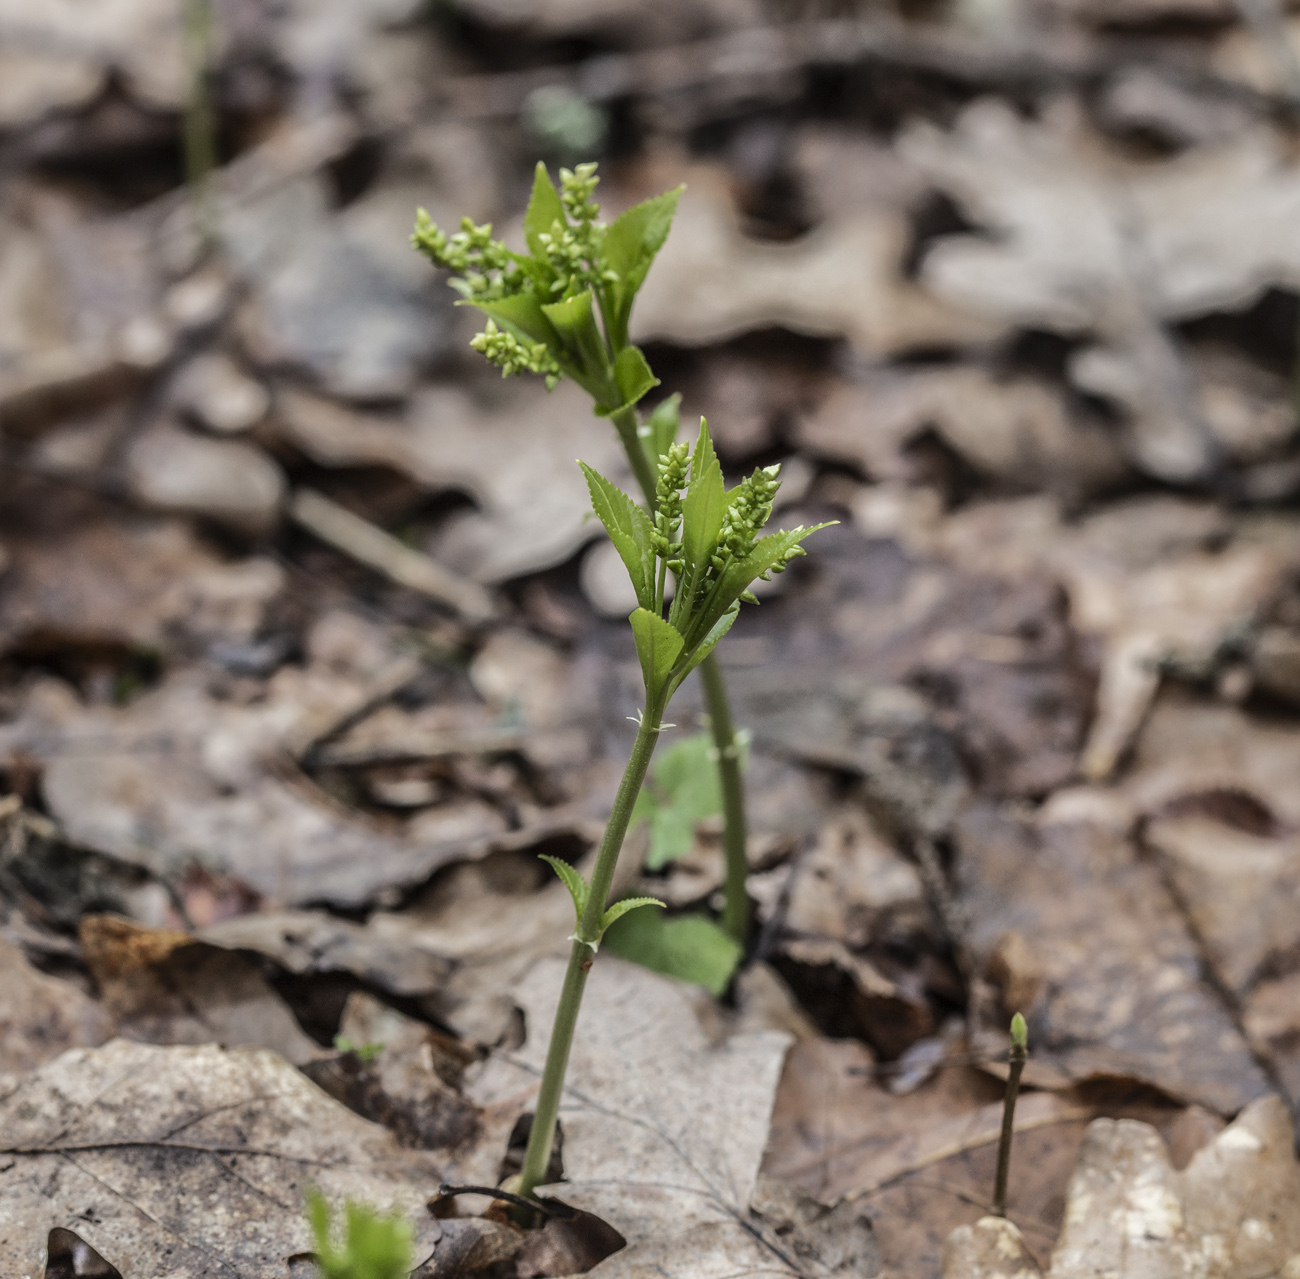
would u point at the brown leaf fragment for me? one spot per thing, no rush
(163, 987)
(1121, 992)
(129, 1139)
(42, 1015)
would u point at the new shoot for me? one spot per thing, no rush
(710, 540)
(562, 310)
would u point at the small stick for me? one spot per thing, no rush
(1016, 1060)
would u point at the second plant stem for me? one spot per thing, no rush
(542, 1137)
(735, 910)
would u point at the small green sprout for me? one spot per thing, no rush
(373, 1246)
(1016, 1059)
(367, 1053)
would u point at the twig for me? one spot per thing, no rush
(1019, 1051)
(371, 546)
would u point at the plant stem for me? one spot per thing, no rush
(199, 122)
(1016, 1063)
(628, 425)
(735, 910)
(542, 1136)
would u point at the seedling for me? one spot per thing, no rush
(563, 309)
(1016, 1065)
(373, 1246)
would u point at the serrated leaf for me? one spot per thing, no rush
(658, 645)
(703, 509)
(545, 209)
(631, 242)
(578, 887)
(741, 573)
(630, 530)
(632, 375)
(691, 947)
(621, 908)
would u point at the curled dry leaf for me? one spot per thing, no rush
(126, 1139)
(1232, 1212)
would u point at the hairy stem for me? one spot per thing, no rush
(628, 425)
(735, 910)
(542, 1136)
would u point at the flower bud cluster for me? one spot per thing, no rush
(487, 271)
(668, 504)
(513, 356)
(748, 511)
(577, 189)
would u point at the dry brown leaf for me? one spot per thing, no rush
(189, 1161)
(161, 987)
(512, 450)
(131, 582)
(842, 280)
(1231, 1213)
(1121, 992)
(42, 1015)
(1087, 244)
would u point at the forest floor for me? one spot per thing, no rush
(308, 646)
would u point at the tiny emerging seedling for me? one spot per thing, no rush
(373, 1246)
(563, 309)
(1016, 1065)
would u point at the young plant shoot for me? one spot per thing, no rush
(709, 540)
(562, 309)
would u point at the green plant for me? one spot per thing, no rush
(563, 309)
(709, 539)
(373, 1246)
(364, 1053)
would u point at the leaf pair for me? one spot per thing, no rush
(580, 891)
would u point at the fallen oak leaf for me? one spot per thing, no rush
(128, 1138)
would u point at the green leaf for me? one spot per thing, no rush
(630, 530)
(710, 641)
(522, 315)
(691, 947)
(658, 645)
(702, 512)
(619, 909)
(683, 789)
(741, 573)
(662, 424)
(629, 247)
(578, 887)
(544, 210)
(632, 376)
(574, 320)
